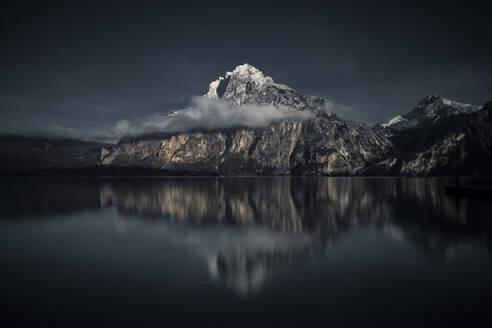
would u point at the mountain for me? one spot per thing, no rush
(430, 109)
(322, 144)
(445, 138)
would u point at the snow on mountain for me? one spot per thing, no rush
(392, 121)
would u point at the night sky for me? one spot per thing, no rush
(81, 67)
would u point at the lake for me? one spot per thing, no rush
(243, 252)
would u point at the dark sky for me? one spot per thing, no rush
(87, 65)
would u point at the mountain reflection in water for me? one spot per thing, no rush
(247, 228)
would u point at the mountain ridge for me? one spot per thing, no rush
(438, 137)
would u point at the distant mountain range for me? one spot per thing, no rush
(438, 137)
(28, 155)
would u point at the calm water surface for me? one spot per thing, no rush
(243, 252)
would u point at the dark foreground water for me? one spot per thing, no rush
(234, 252)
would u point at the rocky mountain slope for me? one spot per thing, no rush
(322, 144)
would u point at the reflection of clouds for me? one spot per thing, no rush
(239, 258)
(246, 228)
(245, 279)
(394, 232)
(244, 263)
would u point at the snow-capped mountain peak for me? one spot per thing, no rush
(249, 73)
(431, 108)
(242, 81)
(242, 75)
(246, 84)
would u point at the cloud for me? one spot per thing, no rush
(53, 130)
(61, 131)
(90, 106)
(209, 114)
